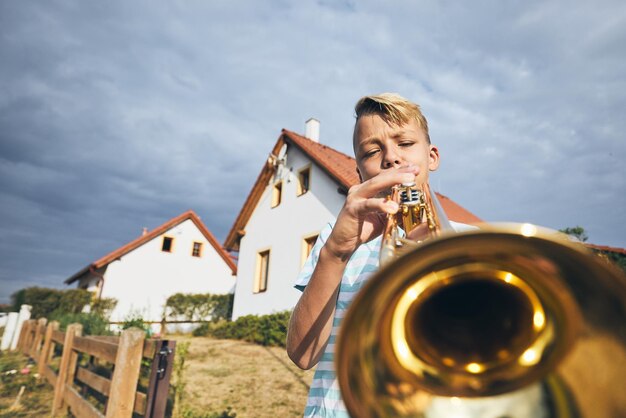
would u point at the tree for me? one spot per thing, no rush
(577, 232)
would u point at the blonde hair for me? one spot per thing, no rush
(393, 109)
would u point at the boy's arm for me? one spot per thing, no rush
(312, 318)
(358, 222)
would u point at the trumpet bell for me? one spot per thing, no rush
(482, 315)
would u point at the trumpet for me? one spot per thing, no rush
(418, 208)
(507, 321)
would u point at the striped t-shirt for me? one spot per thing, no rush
(324, 396)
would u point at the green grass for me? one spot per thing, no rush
(36, 400)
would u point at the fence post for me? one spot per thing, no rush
(9, 331)
(68, 357)
(163, 329)
(19, 346)
(162, 365)
(44, 355)
(23, 340)
(126, 374)
(40, 327)
(22, 316)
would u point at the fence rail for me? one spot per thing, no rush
(39, 339)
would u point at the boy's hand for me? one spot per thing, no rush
(363, 215)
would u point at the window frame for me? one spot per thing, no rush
(307, 243)
(261, 275)
(193, 248)
(275, 201)
(299, 188)
(171, 238)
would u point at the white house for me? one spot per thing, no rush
(179, 256)
(301, 187)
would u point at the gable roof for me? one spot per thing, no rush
(339, 166)
(616, 250)
(125, 249)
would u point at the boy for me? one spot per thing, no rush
(391, 146)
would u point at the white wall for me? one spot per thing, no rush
(282, 229)
(142, 280)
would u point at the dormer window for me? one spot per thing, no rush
(196, 250)
(304, 178)
(277, 194)
(167, 245)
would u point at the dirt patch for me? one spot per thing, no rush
(254, 381)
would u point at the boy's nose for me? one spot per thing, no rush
(392, 160)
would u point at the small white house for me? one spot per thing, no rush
(301, 187)
(180, 256)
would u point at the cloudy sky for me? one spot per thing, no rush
(123, 114)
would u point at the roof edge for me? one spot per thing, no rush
(139, 241)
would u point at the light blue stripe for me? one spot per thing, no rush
(343, 304)
(362, 253)
(332, 394)
(325, 374)
(337, 321)
(316, 411)
(327, 357)
(356, 270)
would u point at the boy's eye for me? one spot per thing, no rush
(406, 143)
(370, 153)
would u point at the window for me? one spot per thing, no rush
(196, 250)
(304, 177)
(262, 271)
(168, 244)
(277, 193)
(307, 246)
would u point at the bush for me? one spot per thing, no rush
(93, 324)
(199, 307)
(47, 301)
(618, 259)
(103, 306)
(268, 330)
(135, 320)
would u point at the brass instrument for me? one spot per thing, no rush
(512, 321)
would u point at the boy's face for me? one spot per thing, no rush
(379, 146)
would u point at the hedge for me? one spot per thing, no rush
(199, 307)
(46, 301)
(267, 330)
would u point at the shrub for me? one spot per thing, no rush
(93, 324)
(264, 330)
(47, 301)
(103, 306)
(199, 307)
(135, 320)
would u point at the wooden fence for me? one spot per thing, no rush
(72, 377)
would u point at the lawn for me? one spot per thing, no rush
(35, 399)
(223, 378)
(252, 380)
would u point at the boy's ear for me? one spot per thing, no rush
(433, 158)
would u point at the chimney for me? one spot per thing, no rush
(144, 231)
(312, 129)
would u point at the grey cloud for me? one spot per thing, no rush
(122, 115)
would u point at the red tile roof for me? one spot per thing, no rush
(125, 249)
(339, 166)
(606, 248)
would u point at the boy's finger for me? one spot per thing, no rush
(377, 204)
(386, 180)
